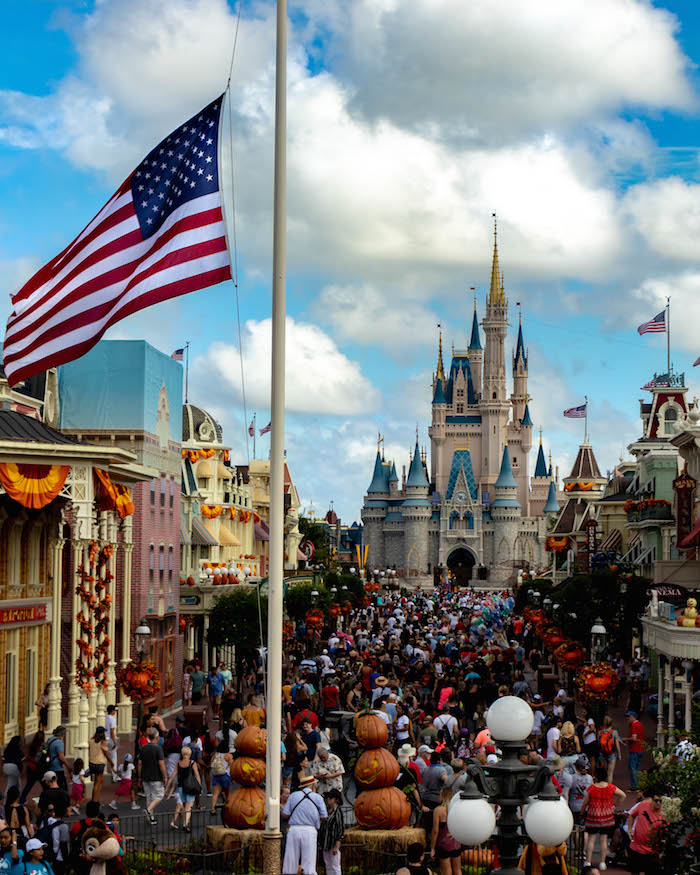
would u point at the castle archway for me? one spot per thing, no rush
(461, 563)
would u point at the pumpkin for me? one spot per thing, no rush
(598, 684)
(386, 808)
(248, 771)
(232, 578)
(376, 768)
(140, 679)
(245, 809)
(370, 730)
(478, 857)
(252, 741)
(190, 581)
(217, 579)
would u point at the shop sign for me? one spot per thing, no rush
(189, 599)
(22, 614)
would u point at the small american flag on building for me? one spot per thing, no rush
(159, 236)
(267, 428)
(576, 412)
(655, 325)
(178, 354)
(251, 428)
(648, 386)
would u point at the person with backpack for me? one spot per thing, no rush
(220, 768)
(52, 757)
(186, 783)
(172, 745)
(53, 833)
(449, 723)
(33, 751)
(609, 746)
(54, 795)
(35, 862)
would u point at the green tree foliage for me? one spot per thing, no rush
(299, 600)
(318, 535)
(234, 619)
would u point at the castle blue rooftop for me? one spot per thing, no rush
(475, 342)
(461, 460)
(520, 354)
(416, 473)
(541, 466)
(505, 478)
(527, 419)
(439, 396)
(552, 505)
(379, 477)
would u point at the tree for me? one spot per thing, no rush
(299, 600)
(318, 535)
(235, 619)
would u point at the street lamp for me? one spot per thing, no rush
(546, 604)
(599, 638)
(142, 640)
(536, 596)
(314, 593)
(509, 784)
(353, 570)
(334, 589)
(344, 588)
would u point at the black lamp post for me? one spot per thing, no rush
(142, 643)
(510, 784)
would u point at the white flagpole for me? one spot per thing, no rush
(272, 864)
(668, 339)
(585, 434)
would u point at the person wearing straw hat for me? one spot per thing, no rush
(304, 810)
(381, 688)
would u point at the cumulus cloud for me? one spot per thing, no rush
(503, 68)
(684, 290)
(666, 212)
(320, 378)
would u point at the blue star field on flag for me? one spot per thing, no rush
(180, 168)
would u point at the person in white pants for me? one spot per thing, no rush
(332, 832)
(305, 810)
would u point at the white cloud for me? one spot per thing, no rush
(320, 379)
(684, 291)
(666, 212)
(504, 67)
(14, 272)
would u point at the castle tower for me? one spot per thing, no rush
(494, 404)
(519, 397)
(416, 512)
(439, 412)
(505, 513)
(476, 354)
(540, 484)
(374, 511)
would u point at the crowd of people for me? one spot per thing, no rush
(429, 665)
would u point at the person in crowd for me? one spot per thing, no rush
(568, 745)
(328, 770)
(53, 794)
(635, 749)
(643, 818)
(13, 762)
(125, 788)
(186, 783)
(609, 746)
(580, 782)
(216, 684)
(151, 772)
(34, 862)
(598, 810)
(11, 855)
(198, 679)
(443, 846)
(16, 814)
(112, 738)
(415, 861)
(77, 786)
(331, 832)
(220, 769)
(253, 714)
(304, 811)
(98, 760)
(187, 685)
(56, 751)
(30, 763)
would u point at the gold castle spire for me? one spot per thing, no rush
(496, 288)
(440, 366)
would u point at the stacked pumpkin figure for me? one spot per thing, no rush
(245, 808)
(380, 805)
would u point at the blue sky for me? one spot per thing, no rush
(409, 123)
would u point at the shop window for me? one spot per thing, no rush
(11, 686)
(14, 557)
(31, 675)
(163, 489)
(172, 493)
(153, 493)
(670, 417)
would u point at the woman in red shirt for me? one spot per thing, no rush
(598, 809)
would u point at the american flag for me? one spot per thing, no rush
(648, 386)
(655, 325)
(178, 354)
(251, 428)
(267, 428)
(159, 236)
(576, 412)
(696, 362)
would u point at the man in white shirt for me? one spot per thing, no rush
(111, 734)
(449, 723)
(553, 734)
(305, 810)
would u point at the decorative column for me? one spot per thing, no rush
(55, 678)
(125, 707)
(688, 689)
(73, 691)
(190, 641)
(101, 578)
(111, 696)
(82, 735)
(205, 643)
(660, 708)
(670, 688)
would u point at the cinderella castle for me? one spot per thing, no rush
(477, 505)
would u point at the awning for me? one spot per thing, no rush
(184, 534)
(693, 539)
(224, 472)
(645, 556)
(201, 536)
(612, 542)
(227, 538)
(204, 468)
(261, 532)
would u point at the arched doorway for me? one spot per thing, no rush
(461, 563)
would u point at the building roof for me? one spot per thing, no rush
(461, 461)
(541, 465)
(200, 426)
(439, 395)
(585, 466)
(527, 419)
(505, 478)
(393, 477)
(460, 363)
(416, 473)
(552, 505)
(394, 516)
(475, 342)
(379, 481)
(574, 514)
(520, 353)
(459, 420)
(200, 535)
(25, 429)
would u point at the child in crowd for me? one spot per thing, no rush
(125, 787)
(77, 789)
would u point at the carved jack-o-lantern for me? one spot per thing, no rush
(387, 808)
(245, 809)
(252, 741)
(371, 731)
(376, 768)
(248, 771)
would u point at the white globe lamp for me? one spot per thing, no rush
(510, 719)
(471, 821)
(548, 822)
(246, 571)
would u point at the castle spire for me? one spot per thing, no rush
(495, 288)
(440, 366)
(475, 342)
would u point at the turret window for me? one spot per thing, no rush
(670, 417)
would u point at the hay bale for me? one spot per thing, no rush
(388, 847)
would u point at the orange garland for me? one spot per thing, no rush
(112, 496)
(207, 454)
(211, 511)
(33, 486)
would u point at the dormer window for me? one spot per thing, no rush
(670, 418)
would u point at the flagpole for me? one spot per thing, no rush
(668, 338)
(585, 428)
(272, 849)
(255, 428)
(187, 369)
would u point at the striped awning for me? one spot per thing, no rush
(200, 535)
(227, 538)
(262, 533)
(612, 542)
(184, 534)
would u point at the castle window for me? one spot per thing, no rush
(460, 408)
(670, 417)
(515, 461)
(494, 396)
